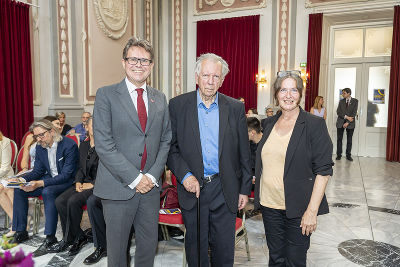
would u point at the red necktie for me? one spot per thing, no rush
(141, 110)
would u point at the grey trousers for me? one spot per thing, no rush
(142, 212)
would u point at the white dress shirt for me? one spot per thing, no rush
(51, 154)
(134, 95)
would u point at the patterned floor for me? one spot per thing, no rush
(362, 228)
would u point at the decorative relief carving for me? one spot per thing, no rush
(283, 34)
(63, 49)
(112, 17)
(218, 6)
(148, 30)
(178, 48)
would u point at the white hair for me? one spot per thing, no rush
(215, 58)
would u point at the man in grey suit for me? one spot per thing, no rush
(346, 111)
(133, 134)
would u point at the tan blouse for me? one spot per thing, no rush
(5, 158)
(273, 154)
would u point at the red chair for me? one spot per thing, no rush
(20, 154)
(74, 137)
(240, 226)
(24, 138)
(14, 151)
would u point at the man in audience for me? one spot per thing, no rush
(80, 129)
(346, 111)
(54, 171)
(255, 135)
(269, 112)
(133, 134)
(210, 150)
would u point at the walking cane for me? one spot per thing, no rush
(198, 231)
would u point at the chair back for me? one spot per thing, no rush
(14, 151)
(24, 138)
(18, 167)
(73, 137)
(173, 179)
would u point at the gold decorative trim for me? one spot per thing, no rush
(222, 6)
(177, 79)
(148, 30)
(283, 34)
(112, 17)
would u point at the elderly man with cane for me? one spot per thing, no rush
(210, 150)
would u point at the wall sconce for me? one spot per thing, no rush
(303, 73)
(261, 79)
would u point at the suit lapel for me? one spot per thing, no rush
(126, 101)
(193, 118)
(294, 139)
(223, 121)
(59, 154)
(151, 107)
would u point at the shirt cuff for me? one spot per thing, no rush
(139, 178)
(186, 176)
(152, 179)
(136, 181)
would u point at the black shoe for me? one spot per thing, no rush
(95, 256)
(19, 237)
(78, 244)
(338, 157)
(58, 247)
(44, 247)
(349, 158)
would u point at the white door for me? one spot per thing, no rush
(369, 83)
(345, 75)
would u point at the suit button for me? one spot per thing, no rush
(140, 154)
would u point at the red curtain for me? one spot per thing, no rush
(236, 40)
(313, 58)
(16, 93)
(393, 129)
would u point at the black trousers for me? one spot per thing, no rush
(286, 244)
(349, 134)
(95, 212)
(217, 228)
(69, 206)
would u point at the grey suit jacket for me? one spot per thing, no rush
(350, 111)
(120, 141)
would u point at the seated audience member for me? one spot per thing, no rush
(64, 127)
(95, 212)
(255, 135)
(6, 194)
(69, 204)
(318, 109)
(53, 173)
(28, 156)
(252, 111)
(269, 112)
(79, 129)
(241, 99)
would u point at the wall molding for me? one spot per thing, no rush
(350, 6)
(283, 33)
(202, 7)
(177, 48)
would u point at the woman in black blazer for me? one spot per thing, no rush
(293, 166)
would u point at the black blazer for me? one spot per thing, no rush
(350, 111)
(309, 153)
(87, 170)
(233, 148)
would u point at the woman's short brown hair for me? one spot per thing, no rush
(283, 75)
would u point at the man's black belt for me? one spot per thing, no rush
(208, 179)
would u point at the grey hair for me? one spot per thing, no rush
(215, 58)
(48, 126)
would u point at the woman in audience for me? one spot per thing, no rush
(6, 194)
(293, 166)
(252, 111)
(318, 109)
(69, 204)
(64, 127)
(28, 156)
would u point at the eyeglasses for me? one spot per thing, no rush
(135, 60)
(206, 77)
(284, 91)
(284, 73)
(41, 135)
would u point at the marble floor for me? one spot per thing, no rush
(362, 228)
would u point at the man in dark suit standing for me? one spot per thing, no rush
(210, 152)
(54, 171)
(133, 134)
(346, 111)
